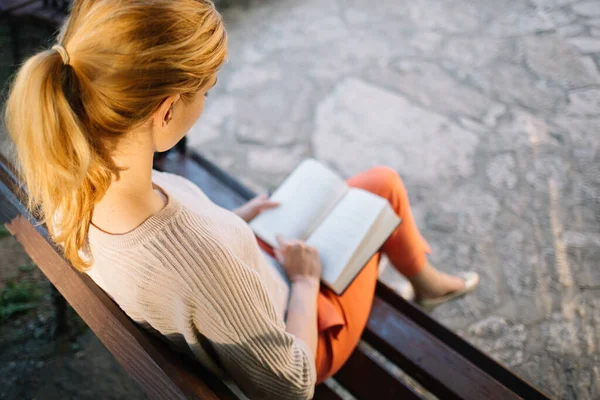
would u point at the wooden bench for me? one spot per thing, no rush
(434, 356)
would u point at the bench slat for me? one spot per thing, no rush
(367, 378)
(437, 367)
(323, 392)
(218, 190)
(460, 345)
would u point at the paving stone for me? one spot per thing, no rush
(357, 51)
(559, 16)
(561, 336)
(593, 22)
(296, 31)
(277, 114)
(275, 161)
(211, 124)
(426, 42)
(584, 102)
(501, 172)
(522, 22)
(476, 209)
(515, 85)
(472, 125)
(587, 8)
(494, 112)
(552, 3)
(477, 52)
(545, 168)
(557, 377)
(446, 16)
(570, 30)
(424, 82)
(500, 338)
(442, 220)
(518, 256)
(581, 239)
(588, 275)
(520, 129)
(251, 54)
(552, 58)
(590, 173)
(252, 76)
(581, 131)
(359, 123)
(379, 12)
(586, 44)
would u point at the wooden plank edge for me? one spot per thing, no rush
(487, 364)
(440, 369)
(365, 377)
(324, 392)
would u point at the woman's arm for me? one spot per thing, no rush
(302, 311)
(303, 268)
(233, 310)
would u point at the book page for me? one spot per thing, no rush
(306, 197)
(383, 227)
(343, 230)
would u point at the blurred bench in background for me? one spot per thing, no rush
(17, 13)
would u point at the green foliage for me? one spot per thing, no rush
(3, 231)
(18, 297)
(27, 267)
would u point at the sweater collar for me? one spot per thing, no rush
(146, 230)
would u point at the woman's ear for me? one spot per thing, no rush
(162, 128)
(164, 114)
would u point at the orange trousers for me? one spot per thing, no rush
(405, 248)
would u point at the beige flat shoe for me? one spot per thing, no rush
(471, 281)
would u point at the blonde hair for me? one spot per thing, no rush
(123, 59)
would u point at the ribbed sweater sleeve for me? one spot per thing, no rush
(251, 343)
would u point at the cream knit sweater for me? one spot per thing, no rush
(194, 273)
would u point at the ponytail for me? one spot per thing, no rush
(63, 175)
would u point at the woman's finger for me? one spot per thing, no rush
(278, 256)
(268, 204)
(281, 242)
(258, 199)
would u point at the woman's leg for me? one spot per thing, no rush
(406, 248)
(337, 344)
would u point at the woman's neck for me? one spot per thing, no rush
(131, 199)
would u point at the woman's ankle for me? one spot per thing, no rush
(432, 283)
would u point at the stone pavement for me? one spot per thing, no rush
(490, 111)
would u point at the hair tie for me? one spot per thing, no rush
(63, 53)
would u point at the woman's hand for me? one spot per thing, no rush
(300, 261)
(254, 207)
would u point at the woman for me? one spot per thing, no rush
(128, 79)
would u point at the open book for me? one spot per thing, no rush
(346, 225)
